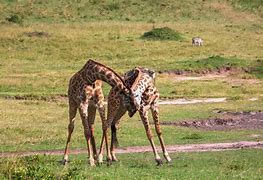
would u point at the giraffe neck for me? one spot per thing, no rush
(93, 71)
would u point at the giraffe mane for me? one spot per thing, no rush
(91, 60)
(139, 74)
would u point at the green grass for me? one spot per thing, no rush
(255, 6)
(238, 164)
(43, 66)
(40, 125)
(110, 32)
(39, 67)
(121, 10)
(231, 88)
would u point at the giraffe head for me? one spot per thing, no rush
(131, 76)
(129, 101)
(138, 79)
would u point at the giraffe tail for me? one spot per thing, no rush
(114, 136)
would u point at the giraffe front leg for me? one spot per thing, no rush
(87, 131)
(144, 116)
(101, 109)
(100, 156)
(104, 130)
(91, 119)
(72, 115)
(103, 121)
(104, 140)
(155, 114)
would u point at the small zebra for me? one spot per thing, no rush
(197, 41)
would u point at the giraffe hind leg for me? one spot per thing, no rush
(114, 140)
(144, 116)
(155, 114)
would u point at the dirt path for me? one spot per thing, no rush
(193, 101)
(226, 121)
(141, 149)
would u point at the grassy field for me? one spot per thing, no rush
(42, 43)
(41, 66)
(35, 125)
(240, 164)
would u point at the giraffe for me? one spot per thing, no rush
(85, 94)
(141, 81)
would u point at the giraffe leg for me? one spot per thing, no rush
(72, 115)
(84, 117)
(114, 141)
(91, 119)
(113, 105)
(155, 114)
(144, 116)
(101, 109)
(105, 141)
(100, 156)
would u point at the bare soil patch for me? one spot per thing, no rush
(217, 71)
(228, 121)
(142, 149)
(192, 101)
(37, 34)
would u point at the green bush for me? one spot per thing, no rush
(192, 136)
(164, 33)
(15, 19)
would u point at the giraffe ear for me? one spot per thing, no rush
(131, 73)
(151, 73)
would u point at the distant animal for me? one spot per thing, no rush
(197, 41)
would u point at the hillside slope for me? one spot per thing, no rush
(131, 10)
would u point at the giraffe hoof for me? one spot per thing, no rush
(159, 162)
(100, 159)
(169, 160)
(99, 163)
(92, 163)
(114, 159)
(65, 162)
(109, 162)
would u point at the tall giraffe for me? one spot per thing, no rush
(84, 92)
(141, 81)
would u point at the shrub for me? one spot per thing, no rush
(164, 33)
(192, 136)
(15, 19)
(112, 6)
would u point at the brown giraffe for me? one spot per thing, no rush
(141, 81)
(85, 94)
